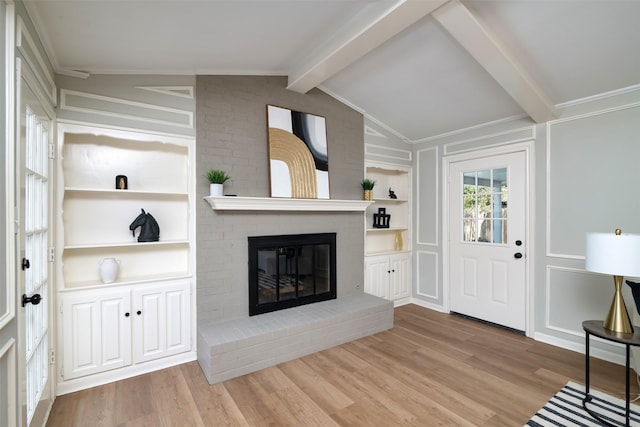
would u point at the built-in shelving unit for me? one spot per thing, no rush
(398, 179)
(388, 250)
(145, 315)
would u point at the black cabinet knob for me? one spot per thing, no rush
(126, 314)
(517, 255)
(25, 264)
(138, 312)
(34, 299)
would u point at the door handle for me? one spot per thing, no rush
(35, 299)
(517, 255)
(25, 264)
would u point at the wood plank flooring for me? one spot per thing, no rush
(431, 369)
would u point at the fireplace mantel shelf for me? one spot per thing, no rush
(232, 203)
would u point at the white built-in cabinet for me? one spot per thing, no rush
(388, 250)
(388, 276)
(145, 319)
(114, 328)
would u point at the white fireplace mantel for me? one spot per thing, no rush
(233, 203)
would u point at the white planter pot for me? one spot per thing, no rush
(215, 189)
(109, 269)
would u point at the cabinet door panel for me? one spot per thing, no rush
(148, 335)
(97, 333)
(162, 328)
(178, 320)
(377, 276)
(400, 274)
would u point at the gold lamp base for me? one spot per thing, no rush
(618, 318)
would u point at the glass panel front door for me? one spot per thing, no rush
(485, 206)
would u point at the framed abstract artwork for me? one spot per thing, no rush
(298, 161)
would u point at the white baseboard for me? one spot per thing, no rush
(599, 353)
(426, 304)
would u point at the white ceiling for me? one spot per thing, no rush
(421, 68)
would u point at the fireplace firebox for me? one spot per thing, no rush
(290, 270)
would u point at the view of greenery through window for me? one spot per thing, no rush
(485, 206)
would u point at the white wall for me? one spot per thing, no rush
(585, 172)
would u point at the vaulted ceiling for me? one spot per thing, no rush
(420, 68)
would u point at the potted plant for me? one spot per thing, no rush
(216, 179)
(367, 188)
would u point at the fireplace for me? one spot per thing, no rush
(291, 270)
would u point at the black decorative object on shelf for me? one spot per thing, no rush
(122, 182)
(381, 219)
(149, 228)
(392, 194)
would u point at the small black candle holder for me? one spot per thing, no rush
(122, 182)
(381, 219)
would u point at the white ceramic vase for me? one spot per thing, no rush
(109, 269)
(215, 189)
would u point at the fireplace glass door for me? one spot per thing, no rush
(287, 271)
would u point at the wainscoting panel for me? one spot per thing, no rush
(574, 295)
(387, 152)
(427, 277)
(427, 196)
(491, 140)
(8, 378)
(592, 165)
(32, 55)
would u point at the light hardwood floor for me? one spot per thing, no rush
(431, 369)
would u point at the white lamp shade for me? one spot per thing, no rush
(616, 255)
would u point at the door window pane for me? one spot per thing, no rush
(485, 206)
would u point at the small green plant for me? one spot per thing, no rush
(216, 176)
(367, 184)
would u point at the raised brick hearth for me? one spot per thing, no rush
(229, 349)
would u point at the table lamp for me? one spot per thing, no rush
(617, 254)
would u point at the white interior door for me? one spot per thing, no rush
(33, 178)
(487, 258)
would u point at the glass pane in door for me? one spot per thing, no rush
(485, 207)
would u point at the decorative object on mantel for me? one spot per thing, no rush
(122, 182)
(381, 219)
(367, 188)
(149, 228)
(392, 194)
(109, 269)
(298, 161)
(217, 178)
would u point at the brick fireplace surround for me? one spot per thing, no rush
(232, 135)
(230, 348)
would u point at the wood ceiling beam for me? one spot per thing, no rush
(358, 39)
(504, 68)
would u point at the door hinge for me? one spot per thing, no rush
(52, 254)
(52, 357)
(52, 151)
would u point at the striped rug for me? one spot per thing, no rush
(565, 409)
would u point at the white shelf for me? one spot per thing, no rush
(390, 201)
(387, 252)
(97, 284)
(124, 192)
(128, 244)
(379, 230)
(283, 204)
